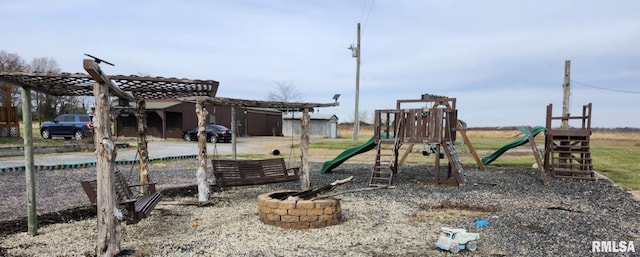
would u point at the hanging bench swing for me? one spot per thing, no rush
(133, 205)
(253, 172)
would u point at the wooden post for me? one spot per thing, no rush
(32, 224)
(566, 94)
(405, 155)
(472, 150)
(143, 151)
(109, 230)
(356, 115)
(437, 164)
(234, 130)
(536, 154)
(305, 182)
(201, 174)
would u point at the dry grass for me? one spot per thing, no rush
(596, 134)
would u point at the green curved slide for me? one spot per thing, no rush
(513, 144)
(342, 157)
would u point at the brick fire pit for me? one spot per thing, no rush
(298, 214)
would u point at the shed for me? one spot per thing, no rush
(325, 125)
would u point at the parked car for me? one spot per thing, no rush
(74, 125)
(215, 133)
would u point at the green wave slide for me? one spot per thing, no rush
(513, 144)
(342, 157)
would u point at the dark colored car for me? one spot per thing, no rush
(215, 133)
(74, 125)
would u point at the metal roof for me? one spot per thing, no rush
(312, 116)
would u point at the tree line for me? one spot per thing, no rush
(44, 107)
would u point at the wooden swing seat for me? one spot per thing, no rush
(253, 172)
(134, 207)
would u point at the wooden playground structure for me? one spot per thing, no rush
(435, 125)
(9, 126)
(567, 150)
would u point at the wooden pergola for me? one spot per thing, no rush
(234, 103)
(126, 88)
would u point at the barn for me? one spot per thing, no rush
(167, 118)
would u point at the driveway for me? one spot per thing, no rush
(158, 149)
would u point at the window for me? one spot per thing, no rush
(85, 119)
(67, 118)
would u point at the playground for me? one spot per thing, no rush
(561, 219)
(556, 207)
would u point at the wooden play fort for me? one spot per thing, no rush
(9, 126)
(434, 125)
(567, 150)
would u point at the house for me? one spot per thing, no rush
(325, 125)
(167, 118)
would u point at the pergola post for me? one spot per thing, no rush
(143, 151)
(305, 181)
(201, 174)
(32, 222)
(109, 230)
(234, 135)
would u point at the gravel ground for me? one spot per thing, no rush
(525, 217)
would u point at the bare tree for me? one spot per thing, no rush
(364, 117)
(11, 62)
(44, 65)
(46, 106)
(285, 92)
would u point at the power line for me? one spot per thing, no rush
(364, 6)
(602, 88)
(368, 15)
(362, 12)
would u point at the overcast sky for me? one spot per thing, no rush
(502, 60)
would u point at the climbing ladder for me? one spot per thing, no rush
(384, 167)
(386, 163)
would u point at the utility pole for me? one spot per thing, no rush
(355, 52)
(566, 93)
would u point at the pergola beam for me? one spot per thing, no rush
(96, 73)
(263, 104)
